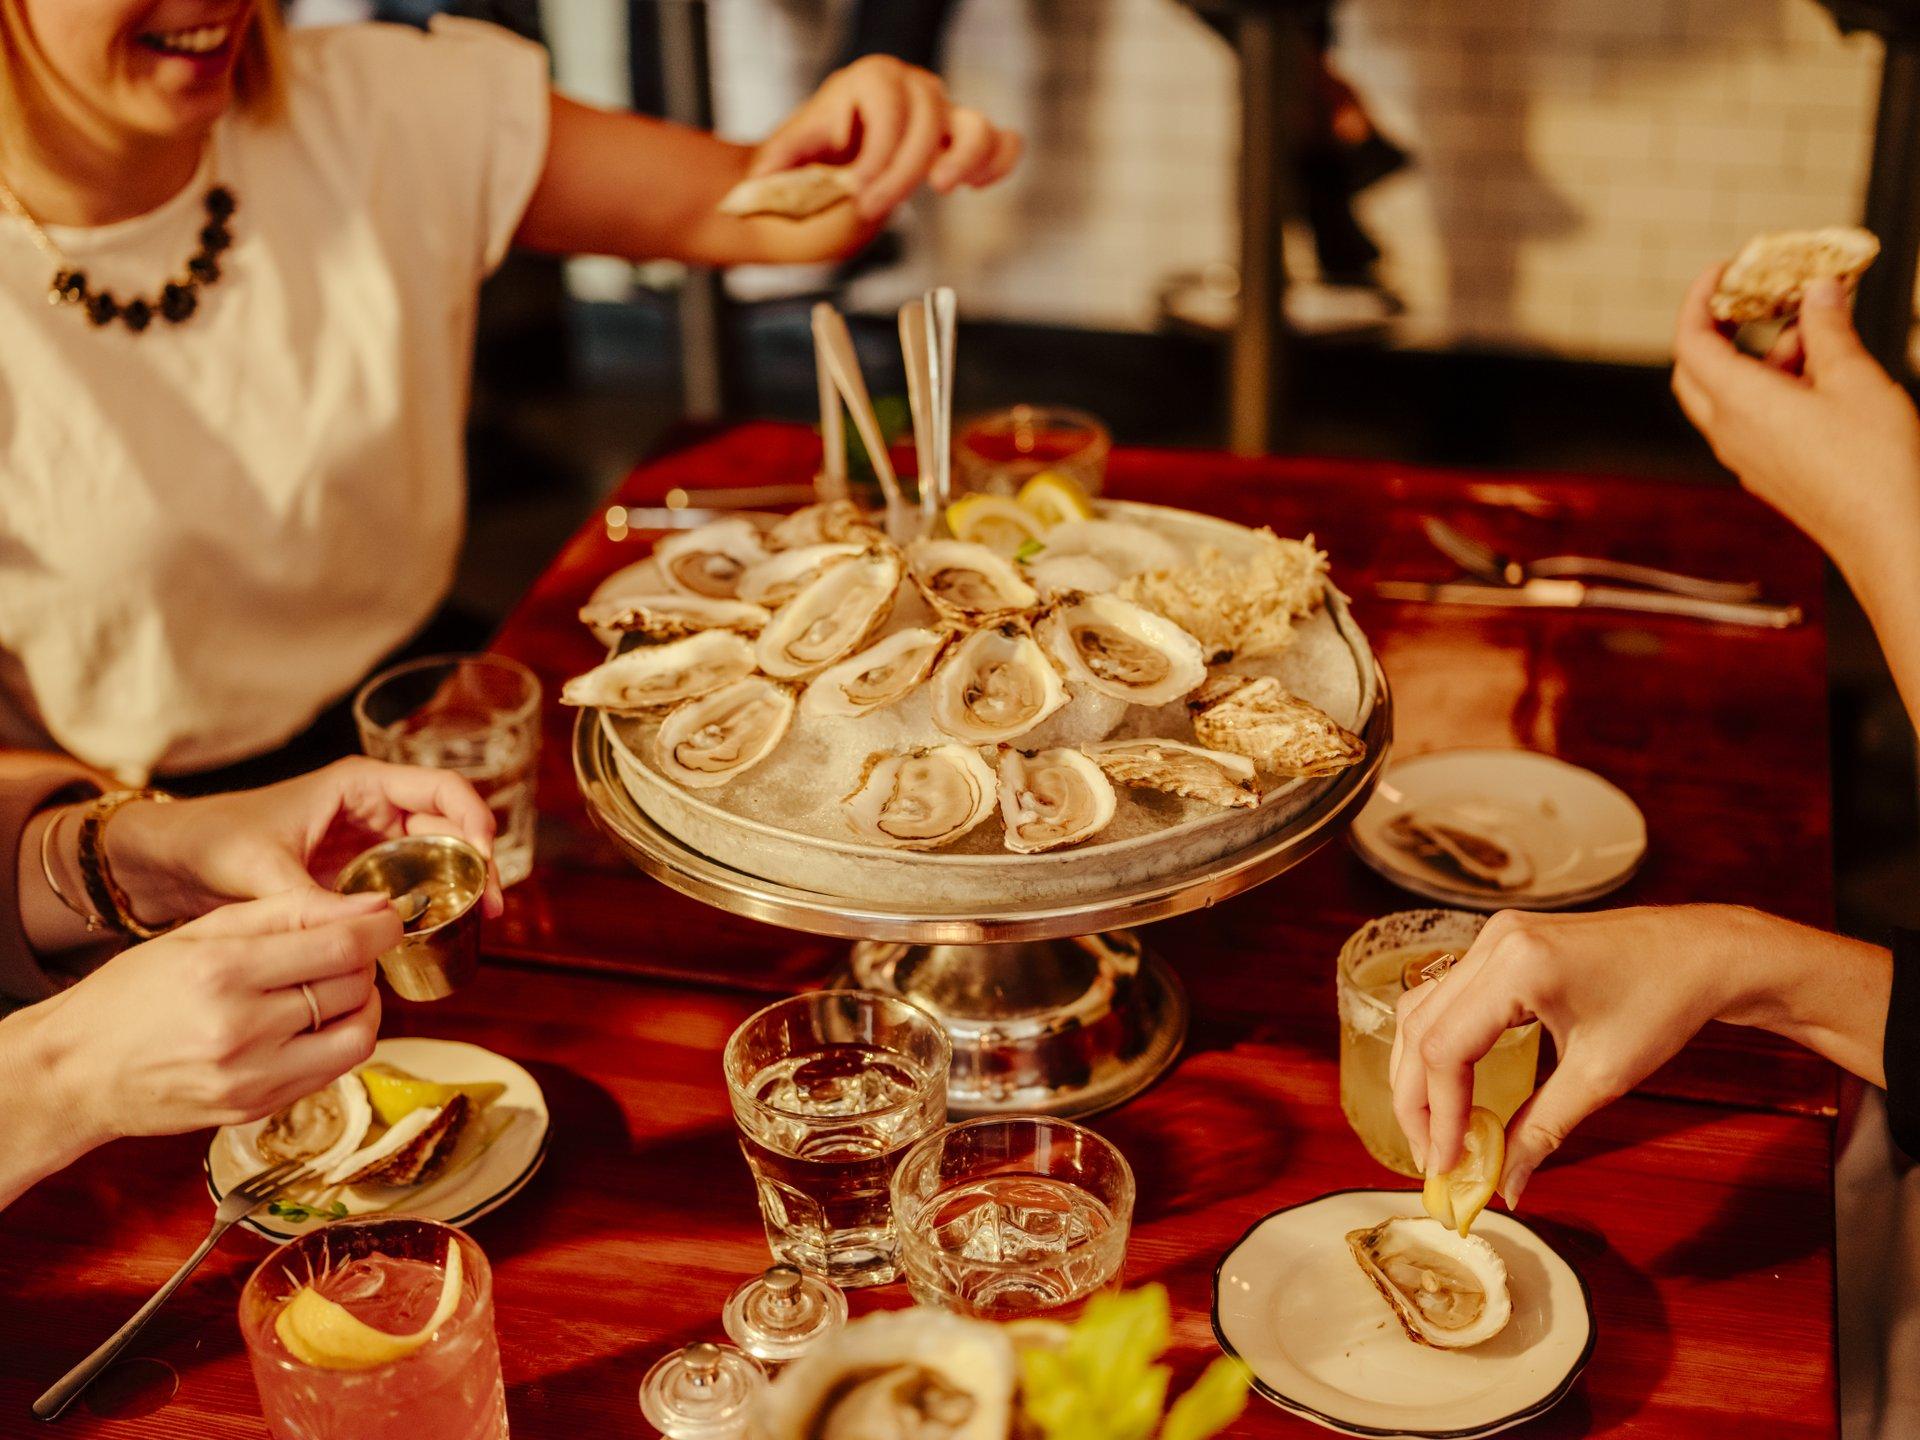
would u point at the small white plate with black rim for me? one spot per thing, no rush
(1583, 835)
(508, 1147)
(1290, 1302)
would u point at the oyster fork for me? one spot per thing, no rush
(1486, 563)
(238, 1203)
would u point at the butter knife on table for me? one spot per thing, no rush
(1573, 595)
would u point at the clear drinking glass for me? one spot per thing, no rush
(1000, 451)
(1013, 1216)
(476, 715)
(388, 1273)
(1383, 958)
(829, 1089)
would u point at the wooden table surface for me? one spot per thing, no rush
(1699, 1210)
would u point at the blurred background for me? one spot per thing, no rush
(1379, 228)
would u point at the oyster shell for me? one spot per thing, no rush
(791, 194)
(1177, 768)
(827, 521)
(832, 617)
(671, 616)
(1471, 851)
(778, 578)
(919, 1373)
(921, 799)
(707, 742)
(656, 676)
(879, 675)
(967, 584)
(1243, 606)
(416, 1147)
(1056, 575)
(995, 685)
(1447, 1290)
(1277, 730)
(322, 1129)
(710, 560)
(1122, 546)
(1122, 650)
(1052, 798)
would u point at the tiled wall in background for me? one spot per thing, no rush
(1579, 160)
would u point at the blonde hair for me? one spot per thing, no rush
(259, 77)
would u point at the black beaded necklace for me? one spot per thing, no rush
(178, 299)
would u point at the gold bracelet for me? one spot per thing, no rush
(92, 918)
(107, 894)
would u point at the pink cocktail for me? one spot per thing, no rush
(376, 1329)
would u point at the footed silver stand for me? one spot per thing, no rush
(1055, 1010)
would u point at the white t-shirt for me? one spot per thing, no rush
(209, 531)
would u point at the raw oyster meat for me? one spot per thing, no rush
(1241, 606)
(879, 675)
(778, 578)
(1052, 798)
(710, 561)
(669, 617)
(968, 584)
(1277, 730)
(995, 685)
(656, 676)
(321, 1129)
(825, 522)
(1470, 851)
(1122, 546)
(837, 612)
(707, 742)
(1177, 768)
(921, 799)
(1447, 1291)
(1122, 650)
(1056, 575)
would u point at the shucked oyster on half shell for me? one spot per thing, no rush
(921, 799)
(1052, 798)
(884, 672)
(1177, 768)
(1447, 1290)
(1122, 546)
(1121, 649)
(1271, 726)
(710, 560)
(321, 1129)
(781, 576)
(656, 676)
(670, 616)
(821, 523)
(968, 584)
(706, 742)
(1472, 851)
(833, 616)
(995, 685)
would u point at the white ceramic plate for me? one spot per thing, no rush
(509, 1141)
(1291, 1303)
(1583, 834)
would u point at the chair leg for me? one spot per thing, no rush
(687, 72)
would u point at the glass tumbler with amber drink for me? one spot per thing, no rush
(1013, 1217)
(1385, 958)
(379, 1328)
(829, 1089)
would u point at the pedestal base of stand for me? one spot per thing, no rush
(1051, 1027)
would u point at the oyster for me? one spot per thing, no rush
(1122, 650)
(778, 578)
(710, 561)
(791, 194)
(415, 1148)
(968, 584)
(1122, 546)
(921, 799)
(921, 1373)
(832, 617)
(828, 521)
(1243, 606)
(656, 676)
(709, 741)
(1472, 851)
(321, 1129)
(1447, 1291)
(1056, 575)
(1177, 768)
(1277, 730)
(879, 675)
(669, 617)
(995, 685)
(1052, 798)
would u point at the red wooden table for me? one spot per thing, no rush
(1691, 1208)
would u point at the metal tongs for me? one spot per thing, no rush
(927, 341)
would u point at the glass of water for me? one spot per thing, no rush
(476, 715)
(1012, 1217)
(829, 1089)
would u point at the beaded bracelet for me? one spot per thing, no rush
(107, 894)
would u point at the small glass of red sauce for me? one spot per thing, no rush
(1000, 451)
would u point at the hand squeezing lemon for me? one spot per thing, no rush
(1457, 1197)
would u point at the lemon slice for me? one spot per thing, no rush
(326, 1335)
(395, 1094)
(1456, 1198)
(1055, 499)
(1002, 525)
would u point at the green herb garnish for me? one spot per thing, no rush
(299, 1214)
(1028, 549)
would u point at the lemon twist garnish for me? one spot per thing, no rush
(1457, 1197)
(326, 1335)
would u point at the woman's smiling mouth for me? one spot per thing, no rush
(196, 43)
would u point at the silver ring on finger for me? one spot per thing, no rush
(313, 1007)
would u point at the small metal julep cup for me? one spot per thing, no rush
(441, 950)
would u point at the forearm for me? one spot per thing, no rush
(1820, 990)
(45, 1131)
(1887, 583)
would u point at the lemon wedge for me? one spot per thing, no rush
(1456, 1198)
(326, 1335)
(395, 1094)
(1055, 499)
(1002, 525)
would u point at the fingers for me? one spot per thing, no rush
(970, 147)
(1440, 1039)
(1834, 353)
(920, 136)
(295, 910)
(493, 899)
(1787, 354)
(342, 947)
(1543, 1122)
(307, 1062)
(1008, 147)
(399, 790)
(882, 111)
(334, 997)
